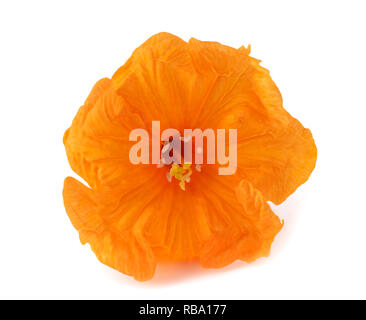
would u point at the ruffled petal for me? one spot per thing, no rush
(176, 224)
(281, 156)
(97, 143)
(249, 235)
(157, 81)
(219, 68)
(124, 250)
(181, 84)
(275, 152)
(278, 161)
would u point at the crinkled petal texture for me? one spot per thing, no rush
(131, 215)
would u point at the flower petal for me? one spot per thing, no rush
(278, 161)
(157, 80)
(126, 251)
(174, 224)
(281, 156)
(97, 143)
(249, 238)
(275, 152)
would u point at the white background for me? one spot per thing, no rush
(51, 54)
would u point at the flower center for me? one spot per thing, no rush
(181, 172)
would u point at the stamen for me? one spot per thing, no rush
(181, 173)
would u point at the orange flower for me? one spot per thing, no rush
(132, 215)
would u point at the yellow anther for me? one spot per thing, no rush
(181, 173)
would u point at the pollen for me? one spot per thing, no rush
(182, 173)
